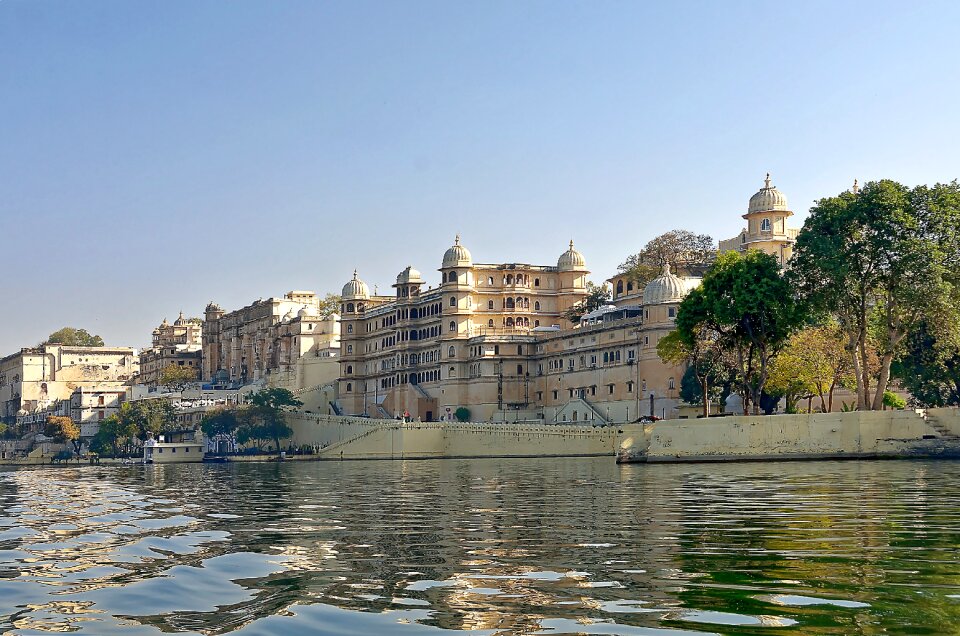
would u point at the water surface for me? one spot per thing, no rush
(558, 546)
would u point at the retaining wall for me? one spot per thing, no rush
(818, 435)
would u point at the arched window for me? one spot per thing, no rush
(349, 328)
(672, 312)
(509, 303)
(349, 348)
(671, 384)
(349, 369)
(509, 279)
(536, 282)
(349, 387)
(453, 325)
(619, 287)
(452, 372)
(490, 280)
(453, 301)
(452, 352)
(349, 306)
(536, 323)
(519, 369)
(509, 322)
(489, 304)
(765, 225)
(490, 322)
(536, 305)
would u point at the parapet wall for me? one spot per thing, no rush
(818, 435)
(361, 438)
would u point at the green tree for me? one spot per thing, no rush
(74, 338)
(703, 380)
(462, 414)
(684, 251)
(748, 309)
(880, 261)
(929, 366)
(63, 429)
(263, 418)
(893, 401)
(597, 296)
(221, 421)
(329, 305)
(148, 417)
(175, 377)
(113, 436)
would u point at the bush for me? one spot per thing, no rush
(462, 414)
(893, 401)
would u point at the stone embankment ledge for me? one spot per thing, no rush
(867, 434)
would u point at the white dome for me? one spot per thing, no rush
(768, 198)
(408, 276)
(308, 311)
(355, 289)
(667, 288)
(571, 260)
(457, 255)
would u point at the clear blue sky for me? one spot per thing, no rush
(155, 156)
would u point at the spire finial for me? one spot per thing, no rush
(856, 187)
(354, 274)
(766, 182)
(456, 241)
(666, 269)
(571, 243)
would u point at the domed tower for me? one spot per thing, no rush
(408, 283)
(353, 295)
(766, 230)
(663, 295)
(457, 261)
(572, 268)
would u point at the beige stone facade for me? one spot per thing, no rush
(492, 339)
(280, 341)
(766, 228)
(33, 379)
(178, 344)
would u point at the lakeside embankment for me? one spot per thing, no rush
(867, 434)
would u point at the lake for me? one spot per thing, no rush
(519, 546)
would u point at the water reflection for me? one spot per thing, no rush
(493, 546)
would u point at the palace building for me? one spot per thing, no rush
(178, 344)
(766, 228)
(492, 339)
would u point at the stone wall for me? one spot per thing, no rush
(362, 438)
(819, 435)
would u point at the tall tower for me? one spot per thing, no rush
(766, 228)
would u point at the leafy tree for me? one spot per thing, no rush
(683, 251)
(148, 417)
(880, 262)
(814, 362)
(893, 401)
(597, 296)
(219, 422)
(462, 414)
(748, 309)
(62, 430)
(3, 429)
(175, 377)
(329, 305)
(703, 381)
(263, 419)
(113, 435)
(72, 337)
(929, 366)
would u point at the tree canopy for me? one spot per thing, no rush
(62, 429)
(176, 377)
(263, 418)
(880, 261)
(72, 337)
(330, 305)
(684, 251)
(747, 308)
(929, 367)
(597, 296)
